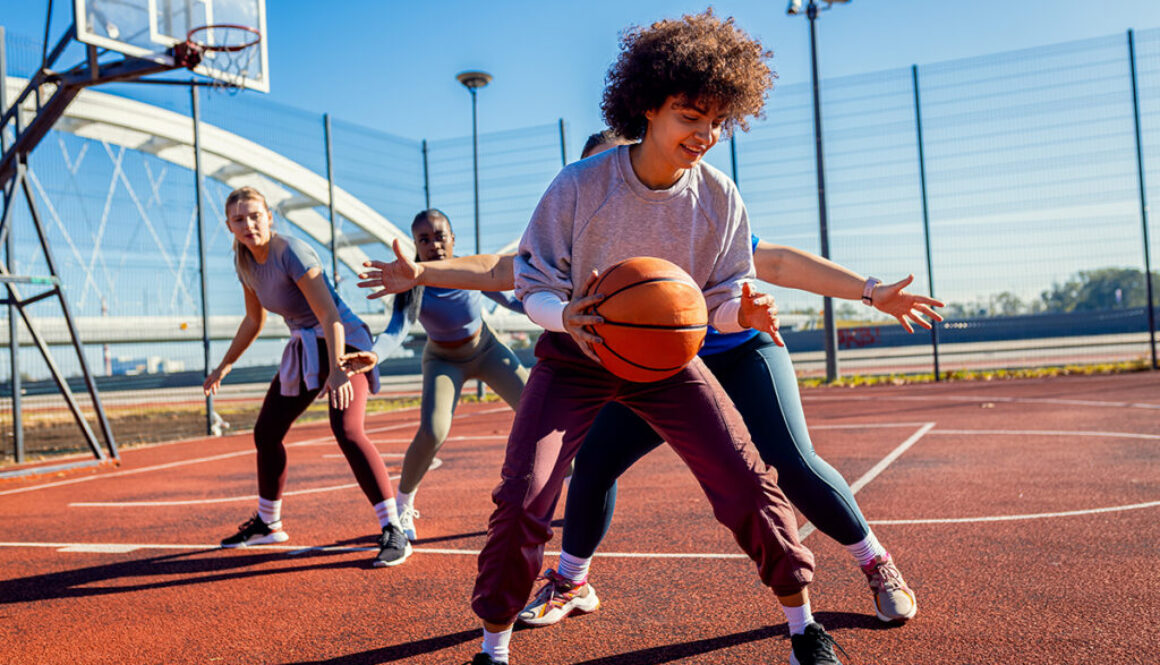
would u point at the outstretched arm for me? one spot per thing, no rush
(480, 272)
(796, 269)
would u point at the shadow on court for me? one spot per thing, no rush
(186, 569)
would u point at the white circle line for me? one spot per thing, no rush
(1029, 516)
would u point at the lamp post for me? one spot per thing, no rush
(830, 332)
(473, 81)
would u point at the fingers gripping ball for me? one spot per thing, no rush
(654, 319)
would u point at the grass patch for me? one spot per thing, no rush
(1139, 365)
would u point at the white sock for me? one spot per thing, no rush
(496, 644)
(798, 618)
(574, 568)
(270, 510)
(405, 498)
(387, 512)
(864, 551)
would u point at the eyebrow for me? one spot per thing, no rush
(698, 109)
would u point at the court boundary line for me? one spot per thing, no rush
(808, 528)
(124, 548)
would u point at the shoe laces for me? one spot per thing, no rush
(822, 643)
(250, 524)
(558, 588)
(392, 538)
(885, 576)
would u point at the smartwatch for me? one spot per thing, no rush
(868, 291)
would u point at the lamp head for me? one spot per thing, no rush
(473, 80)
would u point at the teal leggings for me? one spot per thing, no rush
(444, 372)
(758, 376)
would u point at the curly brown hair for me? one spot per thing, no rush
(700, 58)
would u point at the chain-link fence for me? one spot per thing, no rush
(1026, 213)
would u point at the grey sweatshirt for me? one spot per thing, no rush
(597, 212)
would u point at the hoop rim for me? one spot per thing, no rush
(190, 37)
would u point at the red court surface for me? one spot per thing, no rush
(1025, 514)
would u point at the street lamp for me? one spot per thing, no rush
(831, 333)
(473, 81)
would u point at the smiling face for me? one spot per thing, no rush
(249, 220)
(433, 238)
(679, 134)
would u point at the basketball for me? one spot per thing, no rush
(654, 319)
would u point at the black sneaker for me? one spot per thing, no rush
(394, 548)
(814, 647)
(256, 532)
(482, 658)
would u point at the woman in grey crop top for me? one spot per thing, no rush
(283, 275)
(460, 346)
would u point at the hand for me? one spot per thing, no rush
(398, 276)
(214, 380)
(893, 300)
(358, 362)
(340, 388)
(577, 318)
(759, 311)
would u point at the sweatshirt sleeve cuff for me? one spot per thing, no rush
(725, 317)
(546, 309)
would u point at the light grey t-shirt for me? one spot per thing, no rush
(275, 282)
(597, 212)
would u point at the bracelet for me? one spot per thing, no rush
(868, 291)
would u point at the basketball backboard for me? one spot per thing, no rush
(149, 29)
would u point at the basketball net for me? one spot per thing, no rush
(227, 49)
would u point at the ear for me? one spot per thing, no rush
(650, 114)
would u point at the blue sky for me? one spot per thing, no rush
(392, 65)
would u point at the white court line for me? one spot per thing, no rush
(435, 464)
(1042, 432)
(293, 550)
(1029, 516)
(808, 528)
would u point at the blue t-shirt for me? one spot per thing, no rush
(717, 342)
(449, 315)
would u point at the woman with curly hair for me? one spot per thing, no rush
(676, 87)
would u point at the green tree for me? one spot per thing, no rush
(1103, 288)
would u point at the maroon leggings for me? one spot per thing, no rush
(279, 412)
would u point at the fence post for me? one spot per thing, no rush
(195, 109)
(426, 179)
(10, 247)
(330, 199)
(563, 145)
(1143, 198)
(925, 215)
(733, 158)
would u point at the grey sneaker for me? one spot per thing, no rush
(893, 599)
(394, 548)
(558, 598)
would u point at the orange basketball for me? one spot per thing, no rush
(654, 318)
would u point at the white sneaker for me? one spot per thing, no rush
(558, 598)
(407, 517)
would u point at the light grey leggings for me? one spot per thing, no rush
(444, 372)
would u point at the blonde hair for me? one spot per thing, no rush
(244, 262)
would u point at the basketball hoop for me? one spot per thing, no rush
(225, 50)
